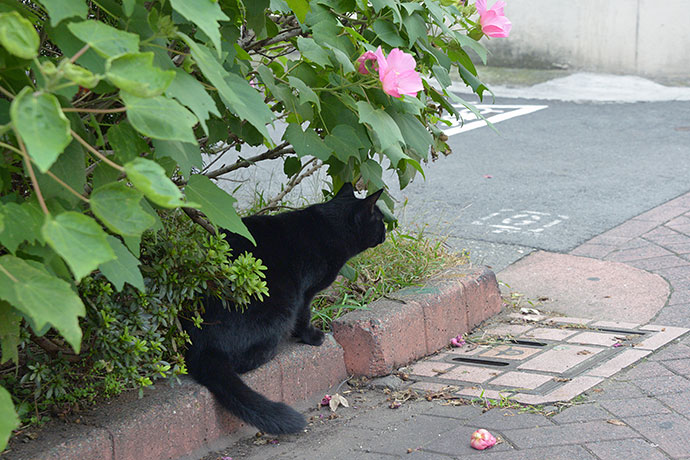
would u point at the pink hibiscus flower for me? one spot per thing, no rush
(493, 21)
(396, 71)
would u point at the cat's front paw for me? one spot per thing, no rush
(312, 336)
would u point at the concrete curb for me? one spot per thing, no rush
(174, 422)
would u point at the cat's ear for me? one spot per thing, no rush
(345, 190)
(371, 200)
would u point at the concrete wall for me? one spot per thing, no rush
(642, 37)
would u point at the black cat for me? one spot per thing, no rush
(303, 251)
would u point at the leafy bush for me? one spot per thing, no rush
(107, 106)
(132, 337)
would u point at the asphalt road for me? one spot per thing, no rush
(553, 178)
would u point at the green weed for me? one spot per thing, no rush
(405, 259)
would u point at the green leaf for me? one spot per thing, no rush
(187, 156)
(476, 46)
(124, 269)
(22, 223)
(106, 40)
(306, 94)
(371, 173)
(205, 14)
(128, 7)
(8, 418)
(70, 169)
(188, 91)
(160, 118)
(42, 299)
(307, 143)
(136, 74)
(292, 166)
(441, 75)
(235, 92)
(79, 240)
(439, 15)
(416, 136)
(43, 127)
(18, 36)
(388, 33)
(415, 27)
(342, 59)
(385, 129)
(345, 142)
(149, 178)
(300, 8)
(9, 332)
(392, 4)
(52, 262)
(118, 207)
(217, 204)
(256, 16)
(476, 85)
(62, 9)
(126, 142)
(313, 51)
(79, 75)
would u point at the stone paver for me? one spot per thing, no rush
(647, 370)
(634, 407)
(582, 413)
(679, 366)
(548, 453)
(595, 338)
(560, 359)
(663, 385)
(555, 435)
(671, 432)
(526, 380)
(544, 333)
(628, 449)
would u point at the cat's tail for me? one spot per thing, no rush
(245, 403)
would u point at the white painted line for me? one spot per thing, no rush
(505, 112)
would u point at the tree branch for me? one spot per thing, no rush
(272, 154)
(281, 37)
(197, 217)
(296, 179)
(30, 169)
(53, 349)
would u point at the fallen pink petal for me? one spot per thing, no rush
(457, 341)
(493, 21)
(326, 400)
(482, 439)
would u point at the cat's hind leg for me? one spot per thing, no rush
(303, 328)
(255, 356)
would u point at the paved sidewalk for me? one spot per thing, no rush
(642, 412)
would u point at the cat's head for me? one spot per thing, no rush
(366, 219)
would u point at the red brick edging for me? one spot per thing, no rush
(172, 422)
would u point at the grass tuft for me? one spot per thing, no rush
(405, 259)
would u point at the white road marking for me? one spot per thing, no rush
(526, 222)
(470, 121)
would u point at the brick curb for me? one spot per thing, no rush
(387, 336)
(173, 422)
